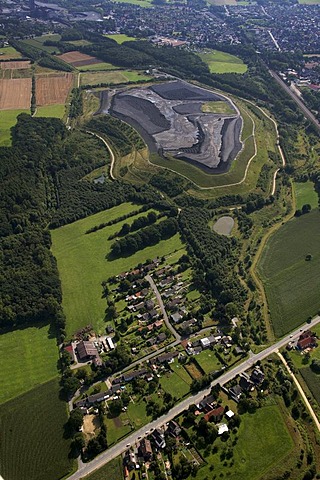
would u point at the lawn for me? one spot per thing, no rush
(112, 471)
(116, 432)
(118, 76)
(263, 442)
(31, 356)
(208, 361)
(172, 383)
(7, 53)
(56, 111)
(83, 265)
(292, 283)
(305, 194)
(8, 120)
(32, 444)
(137, 413)
(221, 62)
(120, 37)
(181, 372)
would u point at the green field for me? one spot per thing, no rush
(8, 120)
(305, 193)
(263, 442)
(218, 107)
(221, 62)
(120, 37)
(83, 266)
(292, 283)
(97, 67)
(112, 471)
(32, 357)
(141, 3)
(38, 42)
(56, 111)
(7, 53)
(174, 384)
(32, 446)
(118, 76)
(208, 361)
(313, 382)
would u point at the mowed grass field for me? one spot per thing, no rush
(118, 76)
(8, 120)
(263, 441)
(221, 62)
(305, 193)
(32, 446)
(83, 265)
(292, 284)
(120, 37)
(56, 111)
(97, 67)
(31, 359)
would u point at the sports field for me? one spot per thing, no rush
(292, 284)
(8, 120)
(221, 62)
(121, 37)
(32, 444)
(305, 194)
(83, 265)
(31, 358)
(118, 76)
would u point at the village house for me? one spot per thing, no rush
(307, 340)
(87, 351)
(215, 414)
(145, 450)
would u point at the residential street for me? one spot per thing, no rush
(120, 447)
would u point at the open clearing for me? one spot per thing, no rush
(8, 120)
(305, 193)
(121, 37)
(6, 53)
(15, 93)
(83, 265)
(78, 59)
(53, 89)
(32, 444)
(31, 358)
(292, 284)
(118, 76)
(224, 225)
(56, 111)
(221, 62)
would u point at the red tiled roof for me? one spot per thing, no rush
(217, 412)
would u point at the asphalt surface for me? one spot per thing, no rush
(120, 447)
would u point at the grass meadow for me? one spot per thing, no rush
(112, 471)
(38, 42)
(8, 120)
(121, 37)
(313, 382)
(32, 444)
(292, 284)
(83, 265)
(305, 193)
(208, 361)
(97, 67)
(221, 62)
(263, 441)
(117, 76)
(32, 357)
(56, 111)
(7, 53)
(141, 3)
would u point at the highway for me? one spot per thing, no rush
(105, 457)
(299, 102)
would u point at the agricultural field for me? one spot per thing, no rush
(38, 42)
(19, 64)
(32, 441)
(120, 37)
(305, 194)
(312, 381)
(118, 76)
(112, 471)
(53, 89)
(97, 67)
(221, 62)
(292, 283)
(56, 111)
(263, 442)
(7, 53)
(8, 120)
(81, 274)
(15, 93)
(32, 356)
(78, 59)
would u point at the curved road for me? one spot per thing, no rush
(105, 457)
(109, 150)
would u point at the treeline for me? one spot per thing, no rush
(44, 59)
(122, 136)
(144, 238)
(76, 105)
(137, 224)
(117, 220)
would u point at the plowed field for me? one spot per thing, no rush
(52, 90)
(15, 93)
(78, 59)
(14, 65)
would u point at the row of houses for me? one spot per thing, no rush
(246, 383)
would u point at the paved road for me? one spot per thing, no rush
(120, 447)
(303, 395)
(299, 102)
(163, 310)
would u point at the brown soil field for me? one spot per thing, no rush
(14, 65)
(82, 63)
(193, 371)
(75, 57)
(90, 424)
(52, 90)
(15, 93)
